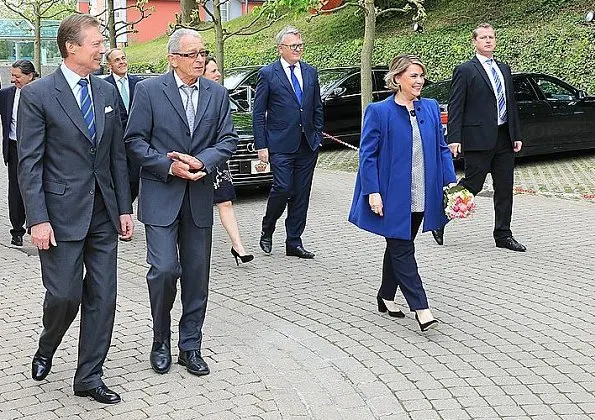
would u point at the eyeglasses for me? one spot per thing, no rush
(294, 47)
(194, 54)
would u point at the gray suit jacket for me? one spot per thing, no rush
(59, 167)
(157, 125)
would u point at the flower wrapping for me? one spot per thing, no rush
(458, 202)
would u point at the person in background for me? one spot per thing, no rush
(125, 84)
(404, 163)
(224, 191)
(22, 72)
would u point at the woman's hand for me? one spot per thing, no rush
(375, 203)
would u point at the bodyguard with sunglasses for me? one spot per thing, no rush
(288, 121)
(178, 131)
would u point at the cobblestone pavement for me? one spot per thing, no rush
(293, 339)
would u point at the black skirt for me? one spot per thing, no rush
(223, 184)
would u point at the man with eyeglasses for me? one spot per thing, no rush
(125, 84)
(179, 130)
(288, 121)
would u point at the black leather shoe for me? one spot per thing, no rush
(382, 308)
(438, 235)
(426, 325)
(266, 242)
(100, 394)
(40, 367)
(510, 243)
(161, 357)
(17, 240)
(299, 252)
(194, 363)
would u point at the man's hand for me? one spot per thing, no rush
(126, 227)
(518, 145)
(186, 167)
(194, 164)
(42, 236)
(263, 155)
(455, 148)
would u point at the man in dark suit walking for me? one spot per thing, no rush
(73, 176)
(179, 130)
(125, 84)
(22, 73)
(288, 121)
(483, 122)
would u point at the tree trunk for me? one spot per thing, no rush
(219, 43)
(37, 45)
(367, 50)
(111, 24)
(188, 7)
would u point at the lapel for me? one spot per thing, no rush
(204, 97)
(306, 82)
(98, 106)
(285, 81)
(172, 92)
(68, 103)
(131, 83)
(483, 73)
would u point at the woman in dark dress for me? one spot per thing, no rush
(225, 192)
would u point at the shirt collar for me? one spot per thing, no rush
(286, 65)
(180, 83)
(482, 58)
(117, 78)
(71, 77)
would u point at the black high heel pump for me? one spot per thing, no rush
(382, 308)
(244, 258)
(426, 325)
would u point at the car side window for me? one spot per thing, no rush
(379, 85)
(555, 91)
(523, 91)
(352, 85)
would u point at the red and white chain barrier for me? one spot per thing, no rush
(328, 136)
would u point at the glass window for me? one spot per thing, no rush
(352, 85)
(554, 91)
(379, 85)
(523, 91)
(439, 91)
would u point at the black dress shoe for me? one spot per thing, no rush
(382, 308)
(17, 240)
(40, 367)
(426, 325)
(438, 235)
(161, 357)
(194, 362)
(510, 243)
(266, 242)
(299, 252)
(100, 394)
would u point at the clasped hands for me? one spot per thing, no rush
(186, 167)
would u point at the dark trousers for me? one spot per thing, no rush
(180, 250)
(500, 163)
(292, 182)
(399, 269)
(95, 294)
(16, 208)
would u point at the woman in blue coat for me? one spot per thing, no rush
(404, 163)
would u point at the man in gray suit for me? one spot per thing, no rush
(74, 180)
(179, 130)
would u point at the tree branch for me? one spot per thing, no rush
(320, 12)
(393, 9)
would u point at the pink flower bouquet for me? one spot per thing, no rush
(458, 202)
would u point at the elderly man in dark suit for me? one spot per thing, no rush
(73, 176)
(179, 130)
(125, 83)
(288, 121)
(22, 72)
(483, 122)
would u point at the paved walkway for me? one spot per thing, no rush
(293, 339)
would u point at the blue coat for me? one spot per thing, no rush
(385, 167)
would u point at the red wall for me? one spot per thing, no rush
(155, 25)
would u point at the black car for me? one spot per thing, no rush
(241, 84)
(555, 116)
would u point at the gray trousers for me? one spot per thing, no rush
(95, 294)
(180, 250)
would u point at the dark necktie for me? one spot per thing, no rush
(296, 84)
(87, 108)
(499, 91)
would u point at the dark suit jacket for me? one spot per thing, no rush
(132, 80)
(158, 125)
(6, 103)
(473, 109)
(278, 118)
(59, 167)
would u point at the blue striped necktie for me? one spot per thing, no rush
(499, 91)
(296, 84)
(87, 108)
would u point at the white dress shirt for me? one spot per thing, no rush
(119, 84)
(486, 66)
(180, 83)
(73, 81)
(12, 132)
(297, 71)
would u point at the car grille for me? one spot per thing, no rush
(240, 164)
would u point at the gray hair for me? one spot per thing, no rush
(173, 45)
(110, 52)
(288, 30)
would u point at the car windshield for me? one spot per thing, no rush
(439, 91)
(328, 77)
(233, 77)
